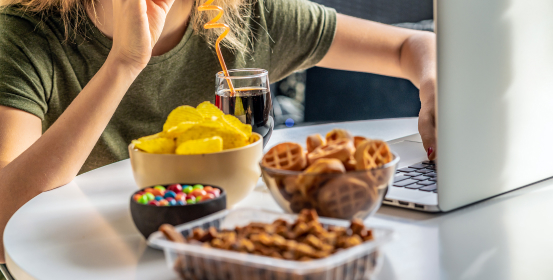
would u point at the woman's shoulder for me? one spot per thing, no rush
(16, 21)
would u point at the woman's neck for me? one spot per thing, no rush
(173, 30)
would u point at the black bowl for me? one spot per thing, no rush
(148, 218)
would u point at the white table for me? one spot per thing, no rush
(84, 229)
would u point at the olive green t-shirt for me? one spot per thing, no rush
(41, 72)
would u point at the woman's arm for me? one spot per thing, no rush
(366, 46)
(31, 163)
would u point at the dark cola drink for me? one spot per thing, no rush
(250, 105)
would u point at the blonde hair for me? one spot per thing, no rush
(73, 13)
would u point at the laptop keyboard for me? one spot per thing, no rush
(420, 176)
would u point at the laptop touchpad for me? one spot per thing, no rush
(410, 152)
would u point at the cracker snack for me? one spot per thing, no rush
(340, 176)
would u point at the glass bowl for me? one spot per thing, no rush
(354, 194)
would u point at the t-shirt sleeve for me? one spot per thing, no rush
(301, 33)
(25, 66)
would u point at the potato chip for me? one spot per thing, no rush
(209, 111)
(205, 129)
(182, 114)
(232, 137)
(253, 138)
(177, 130)
(201, 146)
(235, 122)
(186, 123)
(155, 144)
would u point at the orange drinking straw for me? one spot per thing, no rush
(213, 24)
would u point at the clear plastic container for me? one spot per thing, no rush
(196, 262)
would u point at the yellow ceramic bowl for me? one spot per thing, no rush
(235, 170)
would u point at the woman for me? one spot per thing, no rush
(80, 78)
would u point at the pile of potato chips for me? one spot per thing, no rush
(201, 130)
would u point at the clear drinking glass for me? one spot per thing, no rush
(250, 101)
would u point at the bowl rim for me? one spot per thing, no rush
(198, 203)
(392, 163)
(259, 138)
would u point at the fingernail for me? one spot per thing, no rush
(430, 151)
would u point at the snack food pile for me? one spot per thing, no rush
(201, 130)
(176, 194)
(315, 180)
(303, 240)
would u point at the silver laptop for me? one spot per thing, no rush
(495, 106)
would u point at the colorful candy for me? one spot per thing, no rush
(198, 192)
(175, 188)
(176, 195)
(180, 197)
(143, 200)
(187, 189)
(171, 194)
(153, 202)
(149, 196)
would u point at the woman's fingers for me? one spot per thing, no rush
(427, 130)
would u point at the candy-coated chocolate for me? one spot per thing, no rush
(136, 197)
(190, 201)
(198, 192)
(190, 197)
(198, 198)
(187, 189)
(208, 188)
(149, 196)
(214, 192)
(169, 199)
(148, 190)
(143, 200)
(157, 192)
(159, 187)
(208, 196)
(170, 194)
(163, 202)
(181, 202)
(198, 186)
(180, 196)
(173, 203)
(154, 202)
(159, 198)
(175, 187)
(140, 192)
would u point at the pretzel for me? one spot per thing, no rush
(343, 197)
(314, 141)
(341, 149)
(338, 134)
(308, 178)
(350, 164)
(372, 154)
(171, 233)
(299, 202)
(357, 140)
(287, 156)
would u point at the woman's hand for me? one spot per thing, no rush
(366, 46)
(137, 25)
(427, 116)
